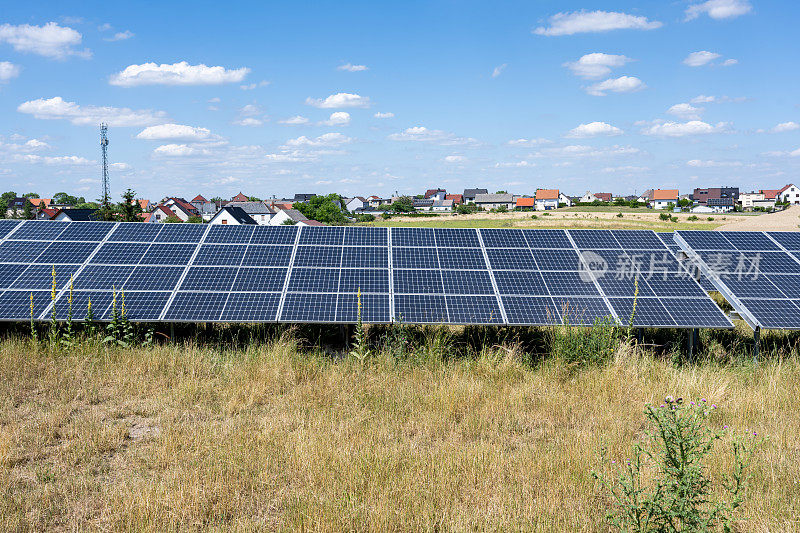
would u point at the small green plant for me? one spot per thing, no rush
(386, 216)
(583, 346)
(34, 335)
(692, 218)
(620, 215)
(665, 487)
(127, 334)
(673, 219)
(664, 216)
(360, 350)
(113, 326)
(534, 217)
(546, 214)
(90, 326)
(710, 219)
(53, 334)
(68, 336)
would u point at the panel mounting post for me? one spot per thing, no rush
(756, 342)
(692, 341)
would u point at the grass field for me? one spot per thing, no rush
(469, 430)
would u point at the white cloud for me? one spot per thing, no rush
(682, 129)
(349, 67)
(499, 70)
(8, 71)
(785, 126)
(580, 150)
(176, 74)
(685, 111)
(455, 159)
(120, 166)
(529, 142)
(383, 115)
(327, 139)
(423, 134)
(50, 40)
(248, 121)
(593, 129)
(176, 132)
(295, 120)
(594, 22)
(596, 65)
(339, 100)
(623, 84)
(104, 27)
(780, 153)
(36, 144)
(719, 9)
(338, 118)
(625, 169)
(120, 36)
(517, 164)
(698, 59)
(57, 108)
(251, 86)
(214, 100)
(175, 150)
(730, 62)
(703, 99)
(698, 163)
(63, 160)
(249, 110)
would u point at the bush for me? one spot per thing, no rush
(679, 496)
(365, 217)
(620, 215)
(692, 218)
(385, 216)
(710, 219)
(673, 219)
(535, 217)
(584, 346)
(664, 216)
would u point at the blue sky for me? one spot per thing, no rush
(371, 98)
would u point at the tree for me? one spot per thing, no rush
(254, 199)
(87, 205)
(501, 192)
(619, 200)
(129, 209)
(27, 211)
(172, 220)
(63, 198)
(194, 220)
(327, 209)
(5, 199)
(30, 195)
(404, 204)
(684, 202)
(106, 211)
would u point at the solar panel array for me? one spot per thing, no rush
(758, 272)
(211, 273)
(668, 238)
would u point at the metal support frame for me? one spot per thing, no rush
(756, 343)
(692, 342)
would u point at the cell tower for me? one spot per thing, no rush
(104, 147)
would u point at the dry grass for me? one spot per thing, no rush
(181, 437)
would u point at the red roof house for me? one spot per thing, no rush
(240, 198)
(457, 198)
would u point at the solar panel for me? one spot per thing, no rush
(192, 272)
(21, 305)
(6, 226)
(756, 273)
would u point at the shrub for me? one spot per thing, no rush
(710, 219)
(664, 216)
(365, 217)
(385, 216)
(692, 218)
(664, 487)
(620, 215)
(673, 219)
(535, 217)
(584, 346)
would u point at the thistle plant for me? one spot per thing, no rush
(34, 335)
(679, 496)
(360, 350)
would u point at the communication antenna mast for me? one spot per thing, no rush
(104, 148)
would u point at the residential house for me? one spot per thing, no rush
(789, 193)
(603, 196)
(495, 201)
(240, 198)
(547, 199)
(457, 198)
(144, 205)
(232, 216)
(588, 198)
(526, 204)
(646, 196)
(751, 200)
(702, 196)
(75, 215)
(293, 215)
(720, 205)
(437, 194)
(180, 208)
(663, 197)
(205, 208)
(160, 214)
(15, 207)
(40, 203)
(470, 194)
(46, 213)
(422, 204)
(303, 197)
(376, 202)
(357, 202)
(260, 212)
(564, 199)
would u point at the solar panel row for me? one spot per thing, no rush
(313, 274)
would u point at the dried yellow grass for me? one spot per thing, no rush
(181, 437)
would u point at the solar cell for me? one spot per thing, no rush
(220, 254)
(415, 258)
(16, 305)
(774, 314)
(154, 278)
(8, 273)
(774, 262)
(418, 281)
(365, 257)
(467, 282)
(374, 308)
(40, 230)
(462, 258)
(321, 256)
(557, 260)
(196, 306)
(120, 253)
(67, 252)
(788, 239)
(102, 277)
(135, 232)
(757, 286)
(189, 233)
(142, 306)
(613, 285)
(168, 254)
(605, 260)
(251, 307)
(569, 284)
(503, 238)
(456, 238)
(367, 280)
(309, 308)
(267, 255)
(473, 310)
(322, 235)
(638, 240)
(750, 241)
(788, 284)
(547, 238)
(230, 234)
(6, 226)
(412, 237)
(274, 235)
(101, 305)
(420, 308)
(314, 280)
(40, 277)
(362, 236)
(593, 239)
(511, 259)
(520, 282)
(670, 284)
(649, 312)
(206, 278)
(535, 310)
(21, 251)
(257, 279)
(696, 313)
(706, 240)
(85, 231)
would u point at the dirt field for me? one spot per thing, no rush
(788, 220)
